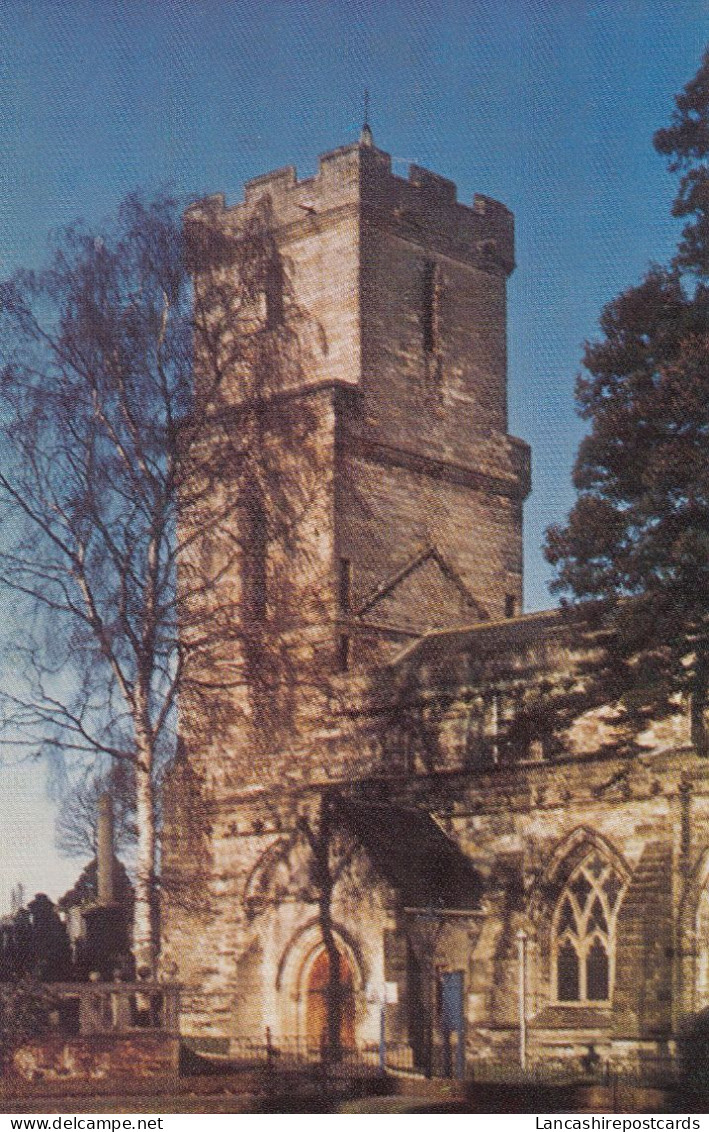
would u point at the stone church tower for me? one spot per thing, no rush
(398, 777)
(398, 292)
(404, 291)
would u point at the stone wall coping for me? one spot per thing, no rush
(141, 986)
(549, 619)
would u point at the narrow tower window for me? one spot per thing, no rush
(343, 658)
(431, 306)
(255, 554)
(273, 291)
(345, 584)
(510, 605)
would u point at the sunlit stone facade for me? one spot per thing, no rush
(429, 802)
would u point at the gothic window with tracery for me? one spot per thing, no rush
(584, 932)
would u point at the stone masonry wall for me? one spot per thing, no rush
(425, 510)
(425, 451)
(238, 744)
(97, 1059)
(258, 925)
(522, 827)
(519, 825)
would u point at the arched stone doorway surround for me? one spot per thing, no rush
(299, 984)
(271, 879)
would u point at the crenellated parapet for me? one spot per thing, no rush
(422, 205)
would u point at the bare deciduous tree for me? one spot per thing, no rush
(122, 461)
(77, 822)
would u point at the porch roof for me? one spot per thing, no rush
(410, 851)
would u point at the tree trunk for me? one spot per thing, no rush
(144, 944)
(334, 983)
(320, 843)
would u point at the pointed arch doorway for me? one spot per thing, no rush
(316, 1001)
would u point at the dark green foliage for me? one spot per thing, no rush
(636, 543)
(85, 891)
(25, 1009)
(35, 944)
(686, 143)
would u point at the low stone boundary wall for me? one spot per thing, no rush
(116, 1058)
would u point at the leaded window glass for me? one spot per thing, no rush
(584, 932)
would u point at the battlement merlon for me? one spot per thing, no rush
(423, 207)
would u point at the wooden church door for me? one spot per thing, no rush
(316, 1005)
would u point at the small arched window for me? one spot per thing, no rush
(584, 932)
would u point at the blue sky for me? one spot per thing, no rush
(548, 106)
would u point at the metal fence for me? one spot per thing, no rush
(291, 1053)
(399, 1057)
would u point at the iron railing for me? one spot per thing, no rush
(399, 1057)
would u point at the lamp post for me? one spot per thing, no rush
(522, 988)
